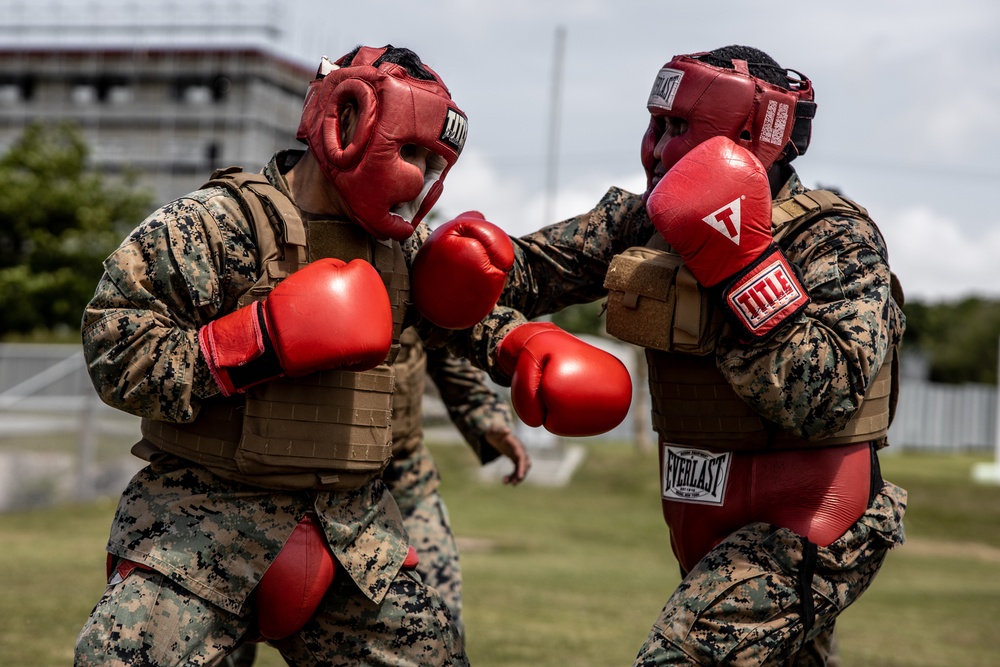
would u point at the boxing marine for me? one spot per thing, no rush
(769, 318)
(709, 198)
(303, 361)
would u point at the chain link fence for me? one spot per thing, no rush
(60, 443)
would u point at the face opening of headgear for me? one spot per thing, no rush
(758, 104)
(399, 101)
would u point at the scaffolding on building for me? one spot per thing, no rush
(169, 90)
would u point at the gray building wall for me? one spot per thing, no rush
(172, 114)
(170, 89)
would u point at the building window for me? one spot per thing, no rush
(113, 90)
(16, 89)
(120, 95)
(10, 94)
(83, 94)
(201, 91)
(221, 87)
(198, 95)
(212, 152)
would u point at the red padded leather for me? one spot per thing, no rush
(817, 493)
(295, 583)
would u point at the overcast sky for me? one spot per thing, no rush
(908, 100)
(908, 97)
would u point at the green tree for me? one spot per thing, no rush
(584, 318)
(59, 219)
(958, 338)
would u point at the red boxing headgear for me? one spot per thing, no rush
(384, 193)
(765, 119)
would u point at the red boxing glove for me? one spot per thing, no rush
(326, 315)
(562, 383)
(714, 208)
(460, 270)
(293, 586)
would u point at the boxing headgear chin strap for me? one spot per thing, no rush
(765, 119)
(384, 193)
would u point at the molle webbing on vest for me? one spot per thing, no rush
(211, 440)
(789, 215)
(327, 430)
(277, 225)
(694, 405)
(337, 420)
(407, 401)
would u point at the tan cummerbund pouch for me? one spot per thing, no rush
(655, 302)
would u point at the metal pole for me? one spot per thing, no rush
(989, 472)
(553, 157)
(996, 434)
(87, 447)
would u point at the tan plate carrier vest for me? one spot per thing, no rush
(327, 430)
(407, 400)
(655, 302)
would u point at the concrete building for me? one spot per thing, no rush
(171, 95)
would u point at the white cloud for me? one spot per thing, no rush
(936, 259)
(474, 184)
(516, 201)
(907, 90)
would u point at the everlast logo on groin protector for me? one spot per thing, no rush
(665, 88)
(456, 128)
(694, 475)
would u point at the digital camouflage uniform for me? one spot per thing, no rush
(741, 604)
(202, 542)
(413, 478)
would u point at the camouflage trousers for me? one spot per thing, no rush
(429, 529)
(742, 604)
(148, 620)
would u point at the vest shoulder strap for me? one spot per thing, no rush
(789, 216)
(277, 226)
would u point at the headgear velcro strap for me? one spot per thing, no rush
(805, 110)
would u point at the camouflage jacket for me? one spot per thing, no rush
(185, 265)
(809, 377)
(473, 407)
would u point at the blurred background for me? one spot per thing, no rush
(111, 108)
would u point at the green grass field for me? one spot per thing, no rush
(576, 575)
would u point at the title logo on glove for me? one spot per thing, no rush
(726, 220)
(768, 290)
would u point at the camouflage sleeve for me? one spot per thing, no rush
(478, 344)
(812, 376)
(558, 266)
(565, 264)
(175, 272)
(473, 405)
